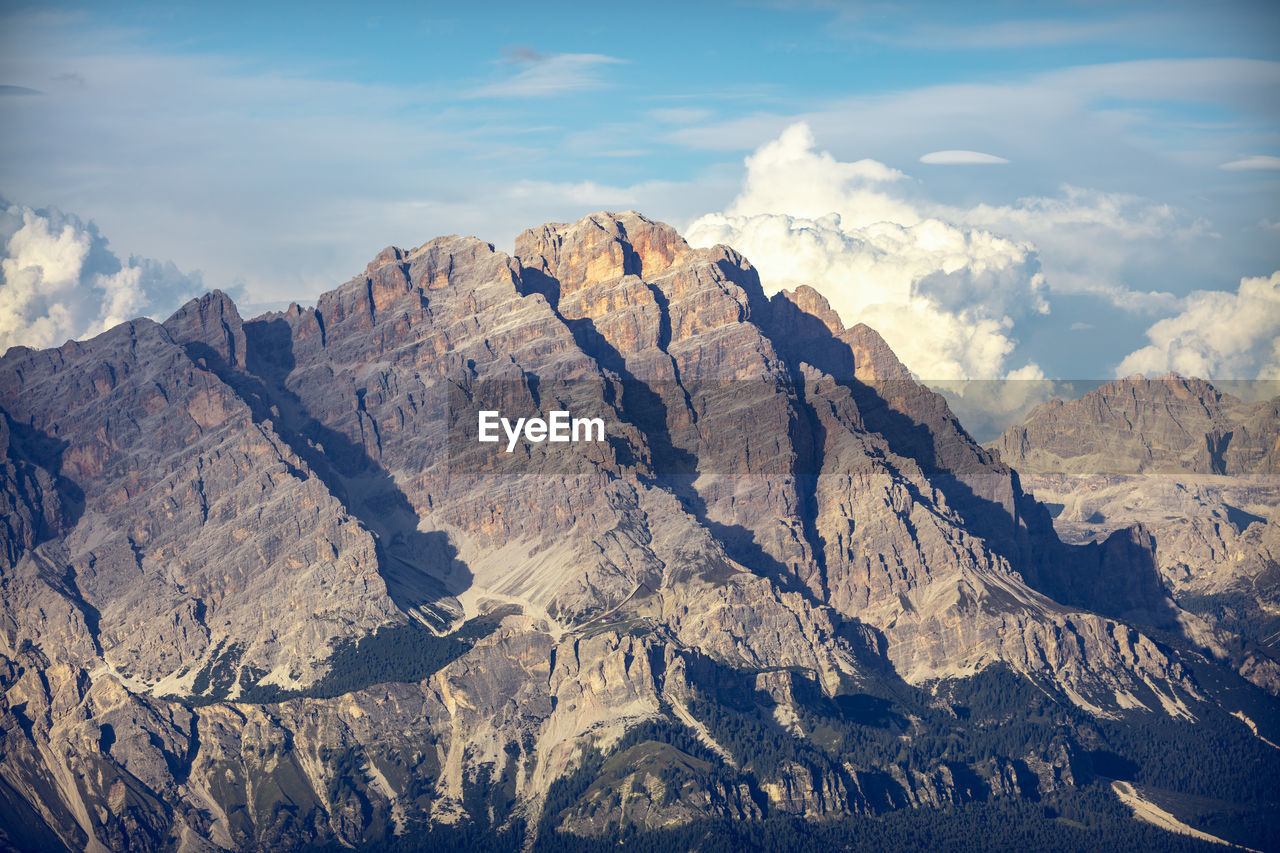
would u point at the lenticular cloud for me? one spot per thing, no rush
(59, 280)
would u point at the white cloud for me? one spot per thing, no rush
(549, 74)
(1037, 117)
(787, 175)
(59, 281)
(1090, 241)
(1259, 163)
(1217, 335)
(945, 297)
(1129, 216)
(1121, 126)
(960, 157)
(950, 287)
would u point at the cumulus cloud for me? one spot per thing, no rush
(952, 289)
(1095, 242)
(959, 157)
(944, 296)
(59, 280)
(788, 175)
(1217, 335)
(1260, 163)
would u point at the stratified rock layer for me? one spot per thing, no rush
(1137, 425)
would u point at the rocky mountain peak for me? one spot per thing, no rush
(810, 301)
(389, 255)
(211, 321)
(601, 247)
(264, 586)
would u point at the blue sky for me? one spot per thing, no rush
(271, 152)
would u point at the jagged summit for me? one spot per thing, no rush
(261, 588)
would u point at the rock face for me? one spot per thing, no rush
(1138, 425)
(1197, 470)
(263, 587)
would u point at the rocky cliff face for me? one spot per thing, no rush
(262, 589)
(1139, 425)
(1194, 468)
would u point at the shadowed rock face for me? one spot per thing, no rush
(288, 511)
(1196, 469)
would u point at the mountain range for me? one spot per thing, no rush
(262, 590)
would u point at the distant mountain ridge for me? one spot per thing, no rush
(257, 595)
(1197, 470)
(1139, 425)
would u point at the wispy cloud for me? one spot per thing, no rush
(959, 157)
(18, 90)
(1067, 108)
(546, 74)
(1015, 34)
(680, 115)
(1259, 163)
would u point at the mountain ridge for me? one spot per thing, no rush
(1196, 469)
(1135, 425)
(783, 527)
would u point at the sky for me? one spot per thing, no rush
(1006, 191)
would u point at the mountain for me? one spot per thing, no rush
(1196, 468)
(265, 588)
(1137, 425)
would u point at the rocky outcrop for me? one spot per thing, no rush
(1192, 470)
(194, 527)
(1138, 425)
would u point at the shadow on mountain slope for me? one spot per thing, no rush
(672, 468)
(1117, 578)
(421, 569)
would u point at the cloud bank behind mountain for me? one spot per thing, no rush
(59, 280)
(1217, 334)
